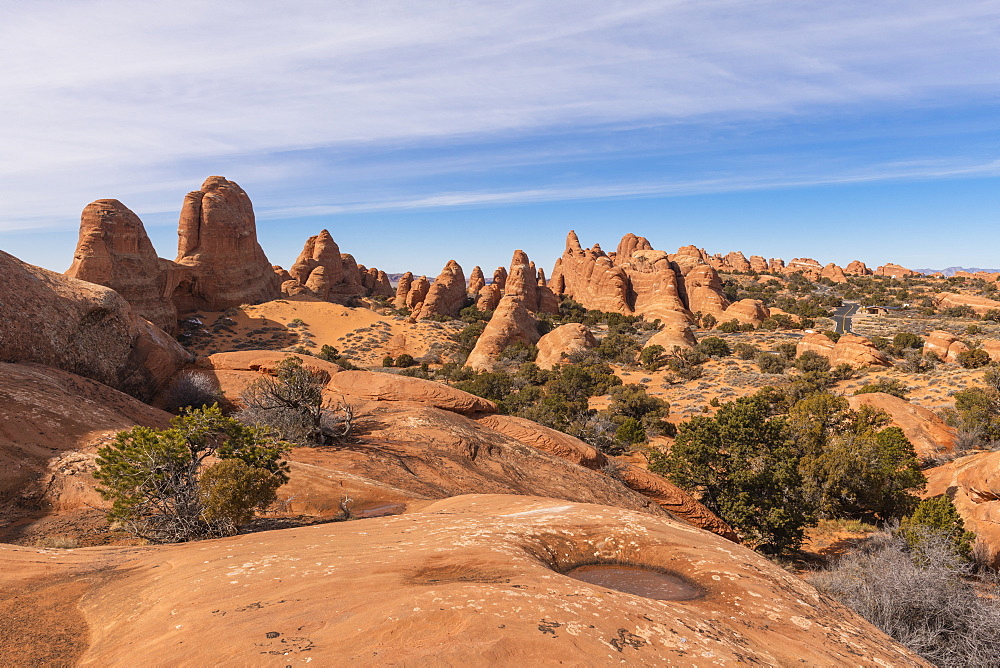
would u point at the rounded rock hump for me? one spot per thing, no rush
(388, 387)
(476, 281)
(511, 323)
(561, 342)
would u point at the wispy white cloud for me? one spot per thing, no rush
(104, 98)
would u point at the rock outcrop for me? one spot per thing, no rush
(322, 271)
(973, 484)
(417, 294)
(945, 345)
(218, 244)
(895, 271)
(402, 290)
(857, 268)
(978, 304)
(673, 336)
(554, 347)
(834, 273)
(851, 349)
(746, 311)
(471, 580)
(511, 323)
(476, 281)
(758, 264)
(83, 328)
(447, 295)
(930, 436)
(114, 251)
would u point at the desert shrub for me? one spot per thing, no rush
(973, 359)
(713, 346)
(916, 362)
(786, 350)
(991, 377)
(963, 311)
(618, 347)
(929, 604)
(467, 337)
(404, 361)
(993, 315)
(771, 363)
(907, 340)
(192, 390)
(939, 516)
(708, 321)
(291, 404)
(974, 330)
(388, 361)
(685, 363)
(811, 360)
(734, 326)
(205, 476)
(745, 468)
(893, 386)
(652, 358)
(746, 351)
(473, 314)
(519, 352)
(833, 336)
(632, 401)
(977, 410)
(630, 432)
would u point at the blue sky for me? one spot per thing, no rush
(420, 132)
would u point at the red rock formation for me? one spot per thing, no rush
(851, 349)
(500, 278)
(403, 289)
(809, 267)
(218, 243)
(704, 291)
(992, 348)
(776, 265)
(655, 287)
(115, 251)
(281, 273)
(973, 485)
(834, 273)
(468, 580)
(562, 341)
(978, 304)
(83, 328)
(895, 271)
(758, 264)
(746, 311)
(857, 268)
(447, 294)
(736, 261)
(476, 281)
(930, 436)
(522, 281)
(417, 293)
(689, 257)
(673, 336)
(511, 323)
(489, 297)
(945, 345)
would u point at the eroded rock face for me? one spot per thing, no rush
(52, 423)
(418, 293)
(511, 323)
(446, 296)
(547, 440)
(851, 349)
(704, 291)
(670, 337)
(834, 273)
(808, 266)
(408, 582)
(489, 297)
(973, 484)
(522, 281)
(218, 243)
(945, 345)
(930, 436)
(372, 386)
(554, 347)
(83, 328)
(758, 264)
(115, 251)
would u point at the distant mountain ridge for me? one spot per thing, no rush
(951, 271)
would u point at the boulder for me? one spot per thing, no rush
(945, 345)
(992, 347)
(511, 323)
(746, 311)
(471, 580)
(561, 342)
(114, 251)
(375, 386)
(670, 337)
(930, 436)
(446, 296)
(83, 328)
(857, 351)
(218, 245)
